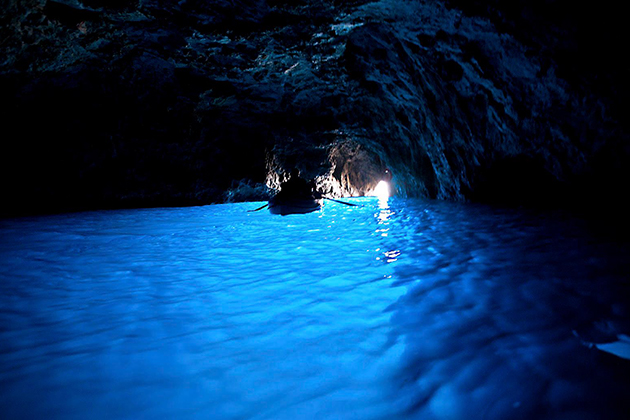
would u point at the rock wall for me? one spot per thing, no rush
(155, 102)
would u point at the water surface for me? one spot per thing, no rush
(407, 309)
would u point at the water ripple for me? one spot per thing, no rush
(411, 309)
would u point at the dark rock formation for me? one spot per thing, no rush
(156, 102)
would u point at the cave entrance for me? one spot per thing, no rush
(345, 169)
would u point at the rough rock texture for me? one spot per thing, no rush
(156, 102)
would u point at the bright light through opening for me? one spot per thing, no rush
(381, 190)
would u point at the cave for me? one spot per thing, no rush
(455, 245)
(150, 103)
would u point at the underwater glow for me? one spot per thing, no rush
(381, 190)
(398, 309)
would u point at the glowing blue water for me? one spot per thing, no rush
(418, 309)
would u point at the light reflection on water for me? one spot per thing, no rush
(406, 309)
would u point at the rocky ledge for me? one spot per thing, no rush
(155, 102)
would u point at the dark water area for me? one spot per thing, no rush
(402, 309)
